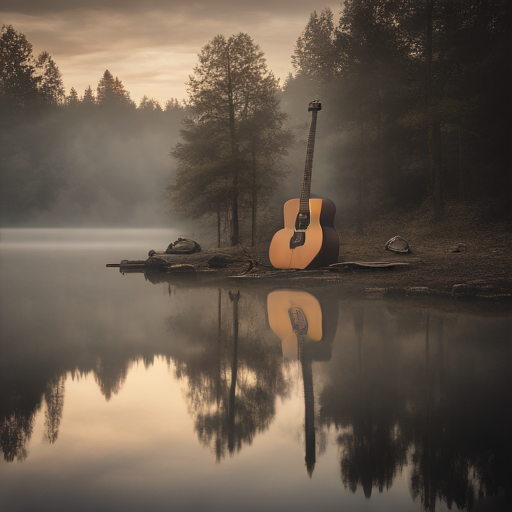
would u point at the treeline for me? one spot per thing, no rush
(92, 159)
(416, 97)
(416, 114)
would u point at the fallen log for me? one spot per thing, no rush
(368, 265)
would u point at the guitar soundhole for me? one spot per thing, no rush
(302, 221)
(298, 239)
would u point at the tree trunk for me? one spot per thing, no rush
(254, 198)
(235, 297)
(380, 167)
(235, 238)
(218, 380)
(361, 164)
(218, 227)
(434, 129)
(461, 180)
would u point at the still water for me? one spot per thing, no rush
(133, 392)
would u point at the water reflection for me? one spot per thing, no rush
(234, 372)
(397, 389)
(399, 392)
(306, 330)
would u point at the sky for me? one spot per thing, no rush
(152, 45)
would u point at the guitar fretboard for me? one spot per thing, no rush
(306, 184)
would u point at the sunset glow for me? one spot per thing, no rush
(153, 49)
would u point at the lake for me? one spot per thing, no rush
(136, 392)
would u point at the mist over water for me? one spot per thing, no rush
(84, 239)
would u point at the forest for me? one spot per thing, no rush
(415, 119)
(97, 159)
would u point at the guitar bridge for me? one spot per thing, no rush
(298, 239)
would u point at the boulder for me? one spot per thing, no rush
(183, 246)
(397, 244)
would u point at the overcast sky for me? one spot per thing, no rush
(152, 45)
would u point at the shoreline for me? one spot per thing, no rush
(447, 275)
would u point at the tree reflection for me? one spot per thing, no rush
(373, 448)
(54, 399)
(233, 382)
(20, 400)
(395, 391)
(461, 434)
(110, 374)
(15, 434)
(403, 387)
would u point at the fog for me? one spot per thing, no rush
(86, 167)
(393, 135)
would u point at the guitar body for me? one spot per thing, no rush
(279, 302)
(321, 241)
(322, 322)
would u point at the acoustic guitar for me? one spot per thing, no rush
(308, 239)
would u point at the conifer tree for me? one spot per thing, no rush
(72, 99)
(229, 89)
(111, 91)
(88, 98)
(51, 88)
(18, 78)
(315, 52)
(149, 104)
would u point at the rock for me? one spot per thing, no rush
(183, 246)
(397, 244)
(220, 261)
(458, 248)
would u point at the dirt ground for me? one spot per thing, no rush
(462, 256)
(437, 260)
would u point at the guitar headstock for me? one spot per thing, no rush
(315, 105)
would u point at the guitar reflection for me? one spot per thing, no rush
(306, 333)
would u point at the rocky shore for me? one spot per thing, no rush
(435, 267)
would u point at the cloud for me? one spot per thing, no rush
(152, 46)
(201, 8)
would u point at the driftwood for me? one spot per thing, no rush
(238, 261)
(366, 265)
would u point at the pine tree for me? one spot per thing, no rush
(51, 89)
(18, 78)
(111, 92)
(88, 98)
(315, 52)
(230, 89)
(173, 104)
(149, 104)
(72, 100)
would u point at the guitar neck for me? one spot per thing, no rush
(306, 184)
